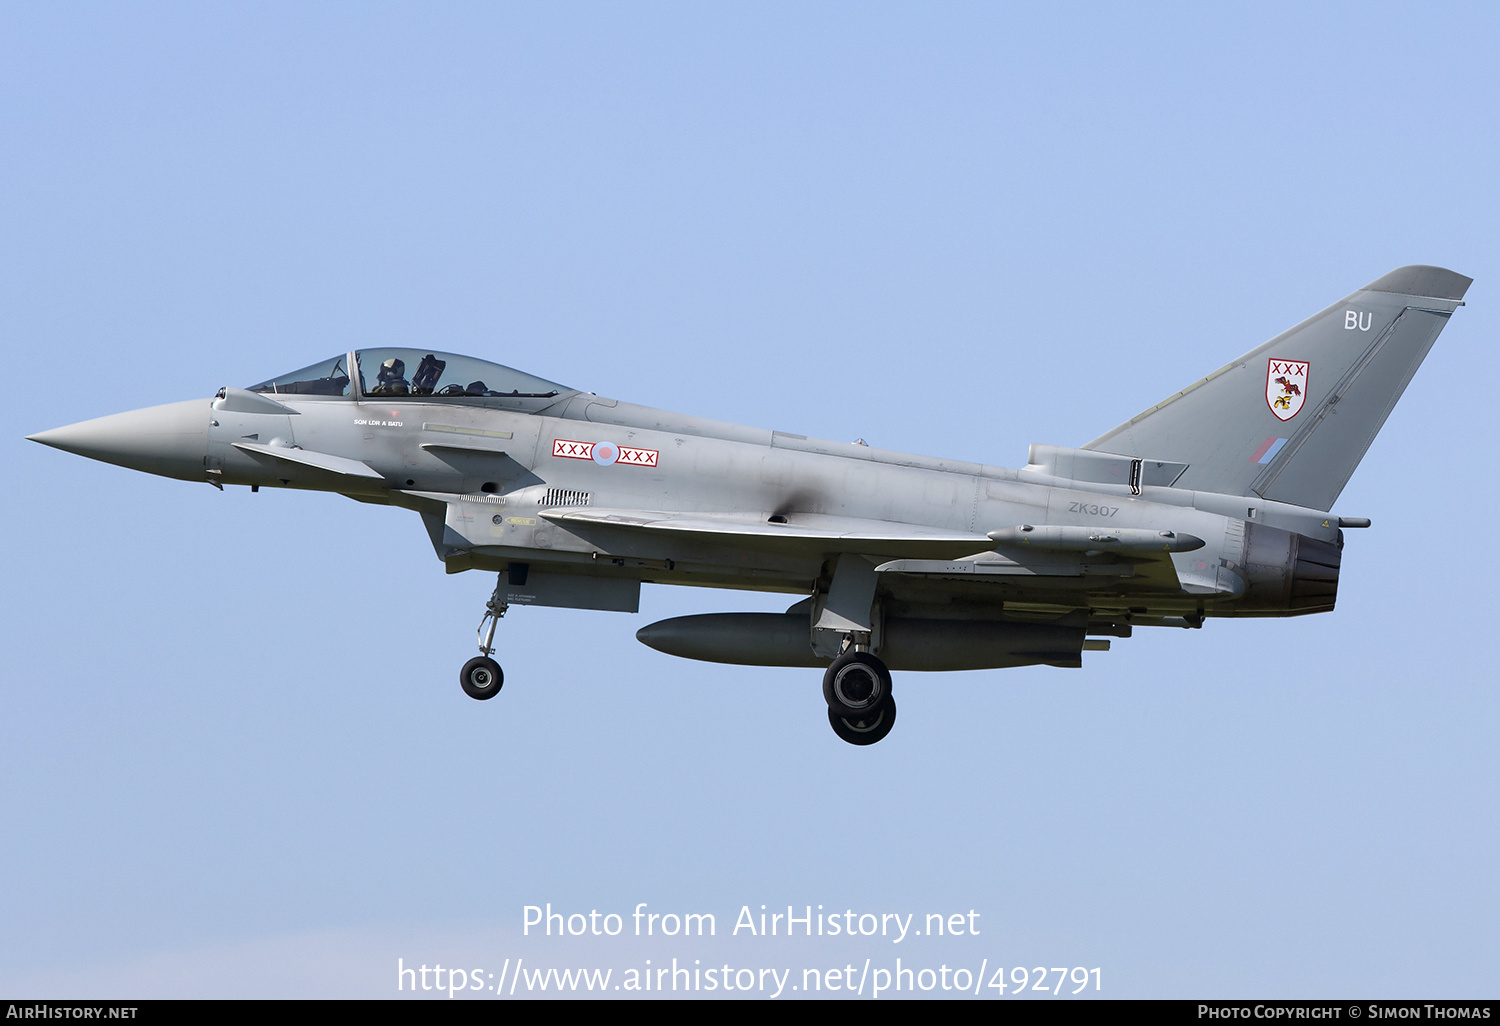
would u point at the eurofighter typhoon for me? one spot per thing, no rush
(1214, 502)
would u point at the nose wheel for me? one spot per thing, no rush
(857, 688)
(481, 678)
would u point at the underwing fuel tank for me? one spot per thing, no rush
(784, 639)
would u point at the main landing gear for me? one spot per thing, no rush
(481, 678)
(857, 688)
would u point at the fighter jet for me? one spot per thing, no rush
(1215, 502)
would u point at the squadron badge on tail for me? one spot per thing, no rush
(1286, 387)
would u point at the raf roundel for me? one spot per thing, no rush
(606, 453)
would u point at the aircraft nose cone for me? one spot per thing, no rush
(168, 440)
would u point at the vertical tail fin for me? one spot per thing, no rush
(1291, 420)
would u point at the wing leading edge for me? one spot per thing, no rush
(800, 532)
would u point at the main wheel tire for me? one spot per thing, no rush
(481, 678)
(866, 729)
(857, 683)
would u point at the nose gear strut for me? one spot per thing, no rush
(481, 678)
(494, 609)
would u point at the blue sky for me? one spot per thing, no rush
(234, 759)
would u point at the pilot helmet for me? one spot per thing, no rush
(392, 370)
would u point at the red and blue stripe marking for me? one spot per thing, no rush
(1268, 450)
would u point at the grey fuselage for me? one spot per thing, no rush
(483, 472)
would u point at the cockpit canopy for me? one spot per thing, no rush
(327, 378)
(386, 372)
(412, 372)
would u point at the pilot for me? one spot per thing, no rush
(391, 380)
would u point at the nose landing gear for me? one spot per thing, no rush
(481, 678)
